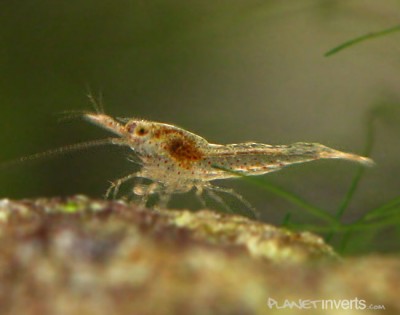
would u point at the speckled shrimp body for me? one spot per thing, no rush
(176, 160)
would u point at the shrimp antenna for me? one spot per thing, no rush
(68, 115)
(97, 103)
(62, 150)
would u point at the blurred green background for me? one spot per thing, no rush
(230, 70)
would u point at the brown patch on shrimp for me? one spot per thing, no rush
(183, 150)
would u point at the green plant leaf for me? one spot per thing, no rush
(360, 39)
(288, 196)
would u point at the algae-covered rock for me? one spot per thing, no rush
(82, 256)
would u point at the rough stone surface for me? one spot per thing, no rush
(82, 256)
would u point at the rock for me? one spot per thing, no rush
(83, 256)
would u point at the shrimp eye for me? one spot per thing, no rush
(141, 131)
